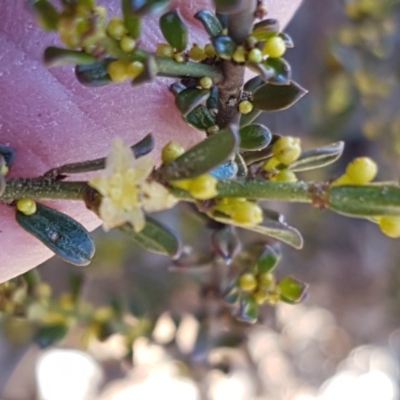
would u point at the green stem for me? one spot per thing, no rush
(42, 188)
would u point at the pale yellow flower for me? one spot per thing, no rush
(126, 191)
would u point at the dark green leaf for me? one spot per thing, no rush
(132, 21)
(232, 293)
(292, 290)
(226, 170)
(210, 22)
(47, 335)
(317, 158)
(61, 234)
(265, 29)
(368, 201)
(140, 8)
(174, 30)
(155, 237)
(270, 97)
(226, 243)
(248, 311)
(46, 14)
(242, 167)
(149, 71)
(251, 157)
(201, 118)
(55, 57)
(254, 137)
(224, 46)
(177, 87)
(268, 259)
(8, 153)
(93, 75)
(143, 147)
(282, 72)
(246, 119)
(228, 6)
(203, 157)
(252, 84)
(288, 40)
(212, 101)
(263, 70)
(188, 99)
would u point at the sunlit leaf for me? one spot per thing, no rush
(292, 290)
(66, 237)
(188, 99)
(268, 259)
(317, 158)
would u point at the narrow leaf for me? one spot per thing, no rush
(246, 119)
(201, 118)
(155, 237)
(364, 201)
(265, 29)
(292, 290)
(254, 137)
(203, 157)
(143, 147)
(232, 293)
(132, 21)
(270, 97)
(210, 22)
(252, 84)
(55, 57)
(188, 99)
(224, 46)
(66, 237)
(317, 158)
(174, 30)
(288, 40)
(248, 311)
(141, 8)
(93, 75)
(46, 14)
(268, 259)
(241, 165)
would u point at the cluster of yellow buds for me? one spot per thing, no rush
(262, 287)
(167, 51)
(285, 151)
(120, 70)
(240, 210)
(117, 30)
(197, 53)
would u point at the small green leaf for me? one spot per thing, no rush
(93, 75)
(252, 84)
(292, 290)
(282, 72)
(251, 157)
(268, 259)
(241, 166)
(144, 146)
(228, 6)
(270, 97)
(248, 311)
(224, 46)
(246, 119)
(232, 293)
(254, 137)
(155, 237)
(317, 158)
(174, 30)
(226, 170)
(226, 243)
(265, 29)
(364, 201)
(203, 157)
(278, 230)
(288, 40)
(149, 71)
(212, 101)
(188, 99)
(264, 71)
(210, 22)
(201, 118)
(176, 88)
(60, 233)
(141, 8)
(132, 21)
(8, 153)
(48, 335)
(46, 14)
(55, 57)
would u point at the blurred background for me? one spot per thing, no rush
(134, 326)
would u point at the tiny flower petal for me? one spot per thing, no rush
(156, 197)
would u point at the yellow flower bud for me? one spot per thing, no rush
(255, 55)
(127, 43)
(390, 226)
(245, 107)
(247, 213)
(171, 151)
(287, 149)
(274, 47)
(134, 69)
(164, 50)
(247, 282)
(239, 55)
(265, 280)
(116, 28)
(260, 297)
(206, 82)
(284, 175)
(179, 58)
(270, 164)
(342, 180)
(26, 206)
(362, 170)
(197, 53)
(118, 70)
(209, 50)
(204, 187)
